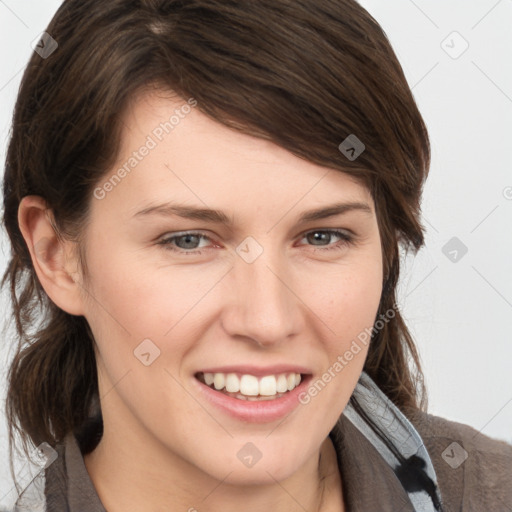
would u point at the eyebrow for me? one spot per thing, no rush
(219, 217)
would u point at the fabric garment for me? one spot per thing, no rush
(387, 463)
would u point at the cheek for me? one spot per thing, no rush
(347, 306)
(346, 300)
(135, 301)
(139, 295)
(347, 303)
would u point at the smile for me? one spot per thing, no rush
(252, 394)
(249, 387)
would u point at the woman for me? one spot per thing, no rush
(207, 199)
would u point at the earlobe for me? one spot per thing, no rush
(52, 257)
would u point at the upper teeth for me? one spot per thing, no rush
(252, 386)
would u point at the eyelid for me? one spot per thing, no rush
(345, 231)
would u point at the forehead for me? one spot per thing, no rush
(188, 155)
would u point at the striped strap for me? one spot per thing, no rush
(397, 441)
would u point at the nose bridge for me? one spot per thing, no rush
(264, 308)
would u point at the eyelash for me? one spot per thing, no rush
(347, 240)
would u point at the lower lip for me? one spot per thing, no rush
(264, 411)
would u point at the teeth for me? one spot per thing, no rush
(232, 383)
(219, 380)
(282, 384)
(268, 386)
(249, 386)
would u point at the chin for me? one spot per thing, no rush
(257, 463)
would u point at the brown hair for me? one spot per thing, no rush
(304, 74)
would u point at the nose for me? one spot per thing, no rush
(261, 304)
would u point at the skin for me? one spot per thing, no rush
(297, 303)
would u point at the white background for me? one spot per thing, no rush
(460, 313)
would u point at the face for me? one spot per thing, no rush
(249, 295)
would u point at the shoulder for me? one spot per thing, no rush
(474, 471)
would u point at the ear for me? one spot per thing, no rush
(53, 258)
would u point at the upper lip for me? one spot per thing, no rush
(257, 371)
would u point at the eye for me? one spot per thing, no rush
(187, 242)
(324, 235)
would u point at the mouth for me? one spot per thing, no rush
(250, 394)
(250, 387)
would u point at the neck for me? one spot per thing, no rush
(133, 472)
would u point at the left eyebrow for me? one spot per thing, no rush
(333, 210)
(219, 217)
